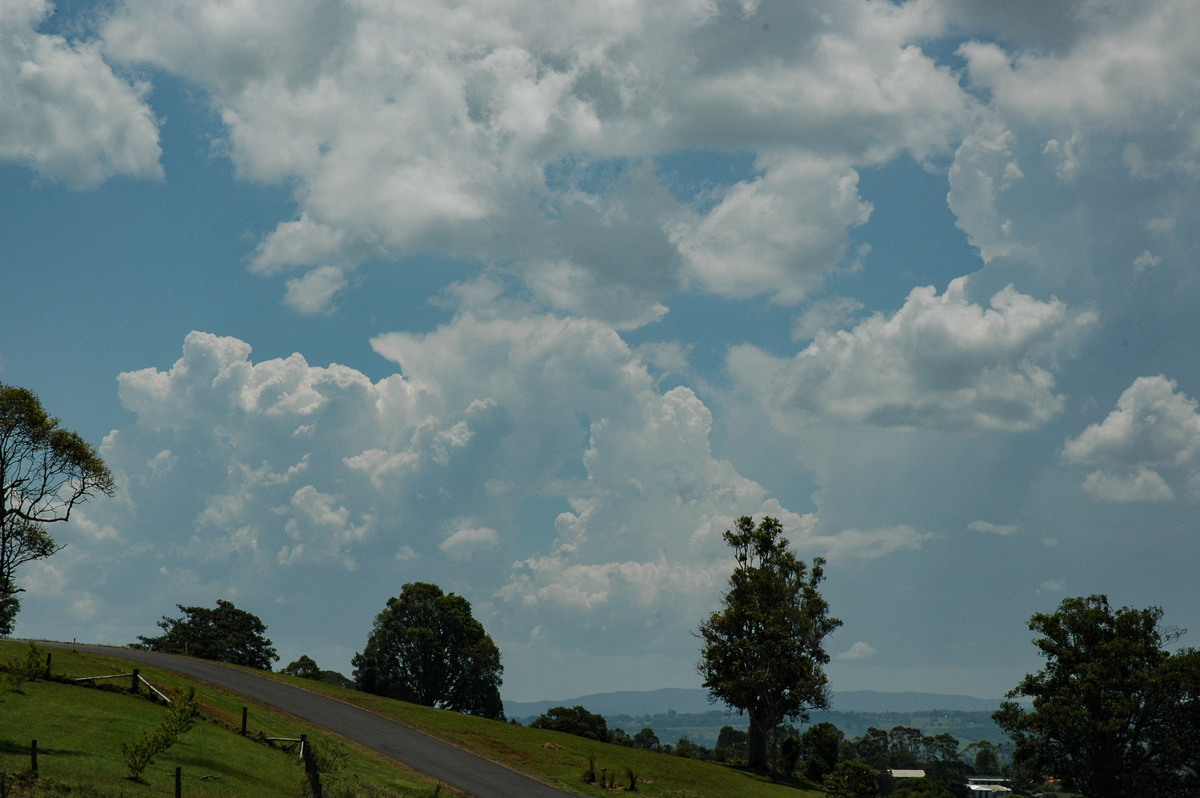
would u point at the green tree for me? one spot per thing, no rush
(224, 634)
(305, 667)
(647, 739)
(851, 779)
(426, 648)
(1114, 713)
(819, 747)
(45, 472)
(763, 650)
(574, 720)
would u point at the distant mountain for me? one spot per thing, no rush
(687, 701)
(871, 701)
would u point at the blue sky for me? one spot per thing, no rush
(531, 300)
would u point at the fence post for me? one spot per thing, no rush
(47, 664)
(133, 683)
(310, 767)
(33, 757)
(178, 782)
(244, 709)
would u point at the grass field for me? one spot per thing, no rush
(79, 731)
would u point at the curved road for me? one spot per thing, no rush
(443, 761)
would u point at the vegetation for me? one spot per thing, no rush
(1114, 714)
(181, 717)
(219, 762)
(426, 648)
(307, 668)
(78, 761)
(224, 634)
(45, 471)
(763, 650)
(574, 720)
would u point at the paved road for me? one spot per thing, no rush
(441, 760)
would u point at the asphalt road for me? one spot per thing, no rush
(447, 763)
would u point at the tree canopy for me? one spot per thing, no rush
(763, 651)
(45, 471)
(224, 634)
(574, 720)
(425, 647)
(1114, 713)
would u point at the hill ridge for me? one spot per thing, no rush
(685, 700)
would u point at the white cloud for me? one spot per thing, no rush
(534, 440)
(1143, 485)
(314, 292)
(994, 529)
(464, 542)
(529, 134)
(66, 114)
(858, 651)
(1154, 424)
(940, 362)
(866, 544)
(1154, 429)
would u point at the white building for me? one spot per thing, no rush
(987, 786)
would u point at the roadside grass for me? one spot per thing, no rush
(561, 759)
(80, 729)
(554, 758)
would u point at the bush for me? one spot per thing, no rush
(576, 720)
(181, 716)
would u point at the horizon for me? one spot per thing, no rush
(533, 300)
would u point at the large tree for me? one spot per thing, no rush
(224, 634)
(1114, 712)
(426, 648)
(45, 471)
(763, 651)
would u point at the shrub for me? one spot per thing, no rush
(181, 716)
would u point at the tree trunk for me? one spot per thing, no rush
(757, 743)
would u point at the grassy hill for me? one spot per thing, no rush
(79, 731)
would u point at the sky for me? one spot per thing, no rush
(533, 299)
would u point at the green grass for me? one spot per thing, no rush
(561, 759)
(79, 731)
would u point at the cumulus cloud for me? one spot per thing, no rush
(531, 134)
(858, 651)
(608, 501)
(867, 544)
(67, 115)
(1142, 485)
(939, 362)
(994, 529)
(463, 543)
(1154, 426)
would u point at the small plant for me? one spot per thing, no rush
(181, 716)
(27, 669)
(589, 775)
(632, 777)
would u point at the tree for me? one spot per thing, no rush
(763, 652)
(851, 779)
(574, 720)
(819, 747)
(1114, 713)
(647, 739)
(426, 648)
(305, 667)
(224, 634)
(45, 471)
